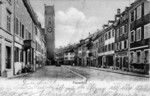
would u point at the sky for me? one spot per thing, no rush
(75, 19)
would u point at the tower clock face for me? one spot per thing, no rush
(49, 29)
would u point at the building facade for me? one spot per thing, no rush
(69, 58)
(25, 23)
(6, 37)
(121, 40)
(139, 22)
(50, 31)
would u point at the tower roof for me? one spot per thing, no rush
(49, 10)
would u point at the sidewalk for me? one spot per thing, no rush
(20, 75)
(121, 72)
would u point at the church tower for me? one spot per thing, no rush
(50, 31)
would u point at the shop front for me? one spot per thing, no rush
(29, 46)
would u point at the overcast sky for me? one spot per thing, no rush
(74, 19)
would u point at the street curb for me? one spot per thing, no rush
(127, 73)
(84, 78)
(18, 76)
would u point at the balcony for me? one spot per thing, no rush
(29, 44)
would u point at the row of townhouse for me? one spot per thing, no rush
(68, 55)
(22, 41)
(122, 44)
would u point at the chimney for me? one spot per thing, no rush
(126, 8)
(105, 26)
(118, 11)
(117, 16)
(89, 34)
(110, 22)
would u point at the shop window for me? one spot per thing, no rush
(138, 34)
(131, 57)
(16, 54)
(8, 57)
(138, 56)
(146, 57)
(21, 56)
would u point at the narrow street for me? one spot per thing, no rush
(70, 81)
(93, 74)
(62, 73)
(52, 72)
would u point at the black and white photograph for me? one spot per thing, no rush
(74, 47)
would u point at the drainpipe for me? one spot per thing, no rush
(14, 40)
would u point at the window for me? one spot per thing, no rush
(17, 26)
(0, 55)
(105, 36)
(131, 57)
(123, 31)
(109, 47)
(116, 46)
(8, 57)
(112, 46)
(21, 55)
(132, 16)
(113, 33)
(22, 31)
(132, 36)
(125, 44)
(146, 7)
(26, 34)
(105, 48)
(8, 21)
(122, 44)
(120, 47)
(109, 34)
(9, 1)
(16, 53)
(138, 34)
(139, 12)
(35, 31)
(118, 32)
(146, 56)
(125, 28)
(138, 54)
(146, 31)
(29, 35)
